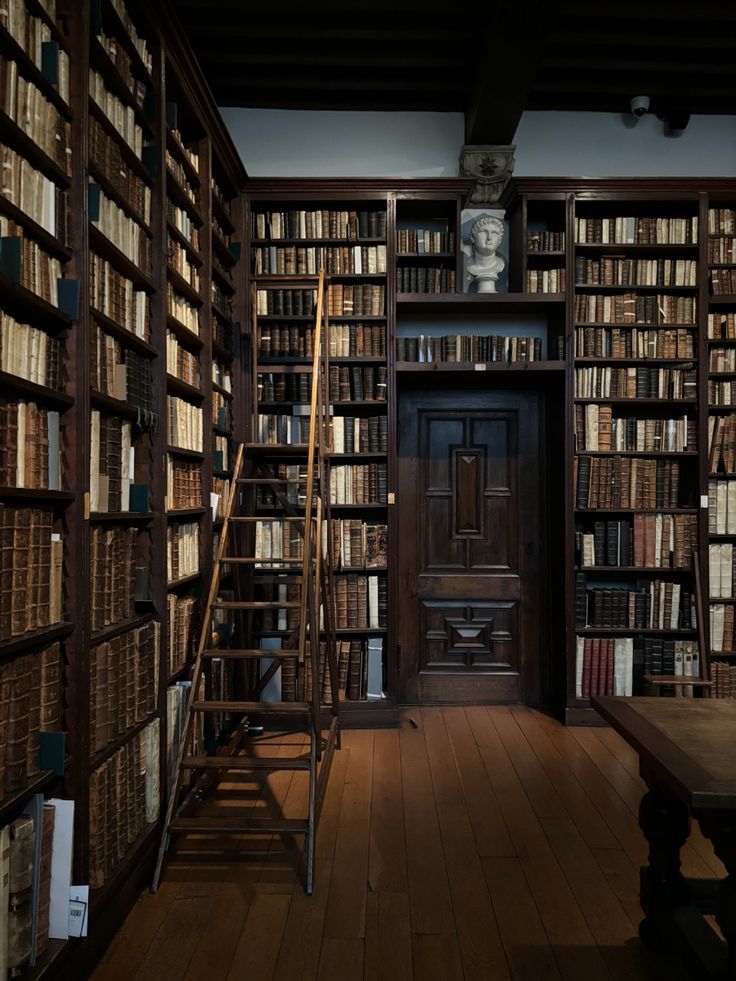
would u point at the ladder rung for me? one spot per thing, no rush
(228, 826)
(245, 763)
(259, 708)
(256, 605)
(250, 652)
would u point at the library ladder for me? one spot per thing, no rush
(245, 752)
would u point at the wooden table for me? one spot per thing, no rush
(687, 758)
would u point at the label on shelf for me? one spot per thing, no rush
(704, 501)
(480, 367)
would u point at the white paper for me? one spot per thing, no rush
(78, 911)
(61, 868)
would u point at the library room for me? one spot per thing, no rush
(367, 448)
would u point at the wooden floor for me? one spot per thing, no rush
(478, 843)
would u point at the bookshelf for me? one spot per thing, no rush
(109, 320)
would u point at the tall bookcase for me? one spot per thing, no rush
(121, 258)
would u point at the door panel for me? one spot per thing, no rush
(469, 506)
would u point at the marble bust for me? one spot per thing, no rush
(482, 265)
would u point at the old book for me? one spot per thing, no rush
(20, 917)
(44, 883)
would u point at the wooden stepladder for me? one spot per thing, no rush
(291, 591)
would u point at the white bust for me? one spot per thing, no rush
(482, 265)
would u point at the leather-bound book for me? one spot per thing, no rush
(34, 714)
(20, 598)
(355, 670)
(44, 883)
(20, 916)
(17, 729)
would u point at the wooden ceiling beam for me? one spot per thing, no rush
(315, 82)
(333, 59)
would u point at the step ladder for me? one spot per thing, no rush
(308, 642)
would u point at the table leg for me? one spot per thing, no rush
(665, 821)
(721, 829)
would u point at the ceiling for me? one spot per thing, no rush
(489, 61)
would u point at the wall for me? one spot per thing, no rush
(291, 143)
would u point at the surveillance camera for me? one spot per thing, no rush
(640, 105)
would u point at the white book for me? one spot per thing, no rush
(580, 648)
(61, 868)
(619, 666)
(373, 601)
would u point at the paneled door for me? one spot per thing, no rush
(470, 556)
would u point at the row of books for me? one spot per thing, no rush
(178, 307)
(360, 601)
(182, 631)
(30, 451)
(124, 799)
(223, 334)
(281, 429)
(323, 223)
(612, 342)
(611, 270)
(634, 308)
(722, 444)
(111, 463)
(722, 507)
(618, 666)
(178, 259)
(723, 676)
(722, 627)
(721, 221)
(122, 116)
(221, 452)
(219, 499)
(357, 383)
(423, 241)
(424, 279)
(182, 550)
(545, 241)
(180, 363)
(358, 544)
(363, 483)
(185, 424)
(123, 682)
(646, 541)
(24, 261)
(186, 147)
(343, 341)
(106, 157)
(122, 61)
(721, 393)
(721, 570)
(28, 845)
(221, 415)
(221, 299)
(359, 672)
(722, 359)
(179, 172)
(723, 282)
(30, 697)
(183, 222)
(31, 34)
(637, 230)
(222, 376)
(658, 605)
(36, 195)
(722, 250)
(30, 353)
(119, 372)
(639, 382)
(112, 575)
(115, 296)
(722, 326)
(336, 260)
(546, 280)
(30, 570)
(466, 348)
(183, 484)
(623, 482)
(359, 435)
(125, 233)
(26, 105)
(596, 428)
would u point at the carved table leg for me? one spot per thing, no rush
(665, 822)
(721, 829)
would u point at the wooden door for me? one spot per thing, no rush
(470, 555)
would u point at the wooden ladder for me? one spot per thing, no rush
(197, 772)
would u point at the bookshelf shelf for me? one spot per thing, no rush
(176, 514)
(178, 387)
(11, 803)
(179, 196)
(595, 248)
(10, 47)
(173, 584)
(222, 391)
(121, 627)
(120, 199)
(474, 303)
(177, 150)
(104, 754)
(124, 409)
(48, 396)
(219, 211)
(633, 287)
(222, 352)
(117, 27)
(223, 252)
(126, 337)
(35, 638)
(188, 454)
(31, 494)
(182, 240)
(46, 239)
(27, 304)
(638, 361)
(100, 60)
(120, 517)
(186, 336)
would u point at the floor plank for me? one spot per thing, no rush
(258, 948)
(388, 955)
(341, 960)
(387, 856)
